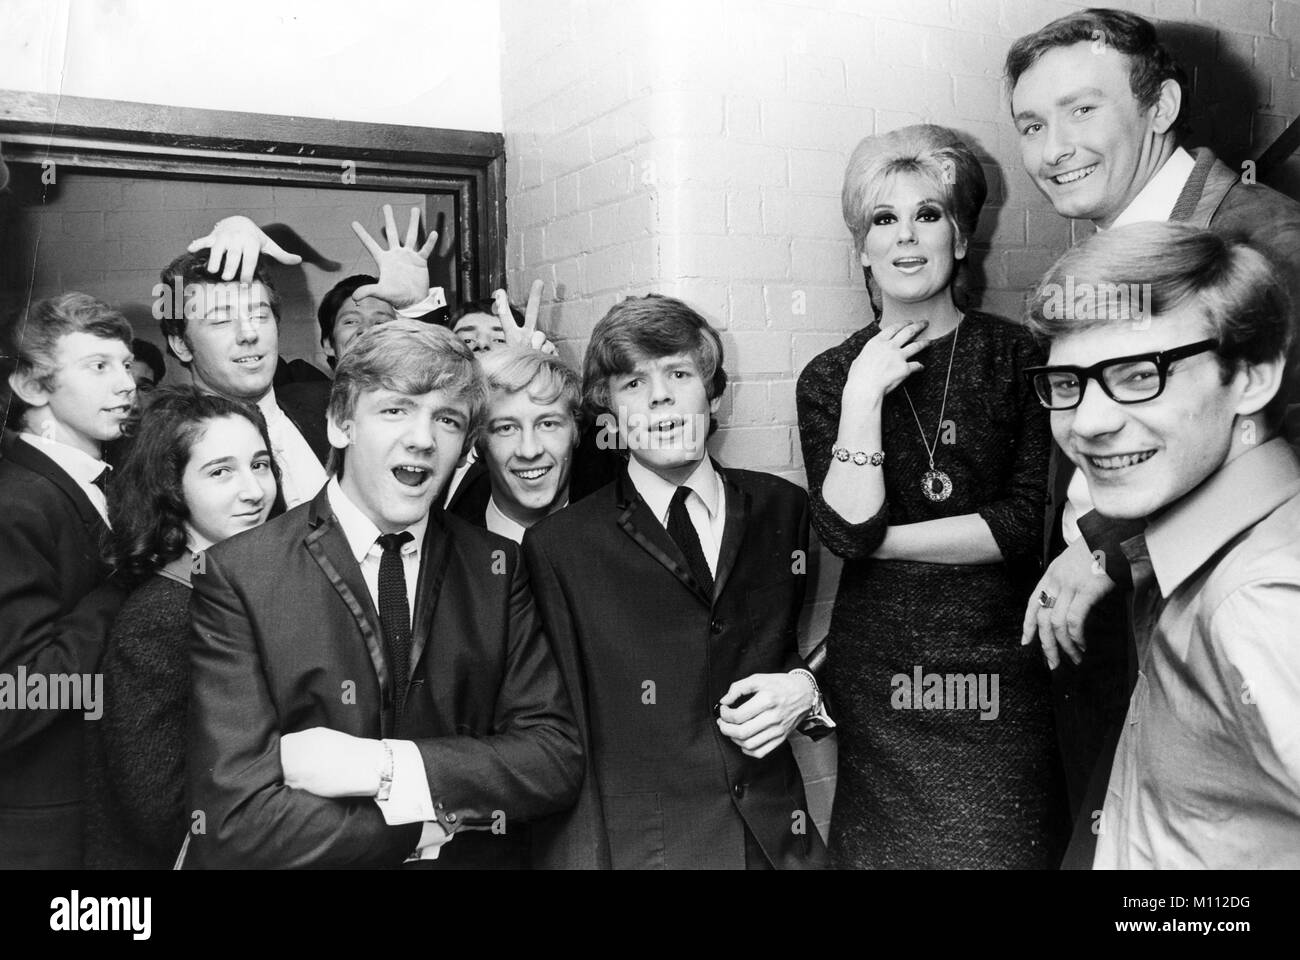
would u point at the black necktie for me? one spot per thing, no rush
(683, 533)
(101, 481)
(394, 612)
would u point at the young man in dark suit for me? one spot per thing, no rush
(671, 597)
(72, 393)
(371, 683)
(530, 432)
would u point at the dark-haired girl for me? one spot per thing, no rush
(198, 471)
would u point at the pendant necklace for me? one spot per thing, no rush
(936, 484)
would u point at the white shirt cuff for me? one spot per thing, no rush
(434, 299)
(409, 800)
(432, 837)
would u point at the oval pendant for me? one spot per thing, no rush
(936, 485)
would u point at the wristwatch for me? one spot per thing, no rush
(817, 716)
(860, 457)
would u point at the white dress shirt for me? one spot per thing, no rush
(706, 506)
(409, 800)
(497, 522)
(301, 475)
(80, 466)
(1155, 202)
(458, 475)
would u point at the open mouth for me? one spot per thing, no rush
(120, 411)
(667, 425)
(250, 360)
(904, 263)
(1120, 461)
(533, 473)
(412, 476)
(1073, 176)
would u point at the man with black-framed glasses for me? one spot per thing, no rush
(1171, 408)
(1132, 379)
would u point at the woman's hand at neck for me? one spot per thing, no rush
(938, 312)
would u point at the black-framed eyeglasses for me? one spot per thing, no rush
(1133, 379)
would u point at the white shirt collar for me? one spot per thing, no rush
(360, 532)
(270, 409)
(658, 492)
(1156, 200)
(79, 465)
(499, 523)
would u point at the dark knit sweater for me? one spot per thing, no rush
(921, 787)
(135, 752)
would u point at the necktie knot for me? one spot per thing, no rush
(101, 480)
(681, 496)
(392, 542)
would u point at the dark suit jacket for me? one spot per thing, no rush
(306, 404)
(56, 608)
(287, 638)
(297, 370)
(646, 655)
(470, 499)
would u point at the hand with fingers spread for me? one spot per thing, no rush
(527, 335)
(885, 361)
(239, 241)
(403, 268)
(1070, 588)
(777, 704)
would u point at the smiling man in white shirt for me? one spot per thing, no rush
(226, 333)
(1173, 417)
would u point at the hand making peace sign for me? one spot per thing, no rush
(527, 335)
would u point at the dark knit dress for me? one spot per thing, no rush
(938, 786)
(135, 752)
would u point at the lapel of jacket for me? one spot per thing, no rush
(25, 455)
(435, 554)
(476, 470)
(733, 531)
(1205, 190)
(328, 546)
(648, 533)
